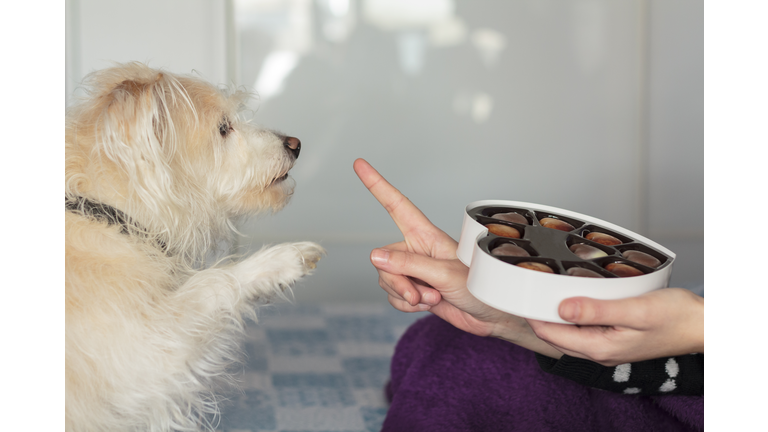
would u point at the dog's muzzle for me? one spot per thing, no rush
(293, 146)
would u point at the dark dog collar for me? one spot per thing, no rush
(104, 213)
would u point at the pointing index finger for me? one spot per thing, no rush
(406, 215)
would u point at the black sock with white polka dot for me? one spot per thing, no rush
(681, 375)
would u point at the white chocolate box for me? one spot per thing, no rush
(499, 283)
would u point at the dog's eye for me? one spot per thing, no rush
(225, 128)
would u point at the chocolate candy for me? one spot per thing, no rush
(603, 239)
(536, 266)
(582, 272)
(509, 249)
(511, 217)
(641, 258)
(556, 224)
(592, 251)
(503, 230)
(623, 270)
(587, 252)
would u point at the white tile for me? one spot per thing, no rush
(255, 380)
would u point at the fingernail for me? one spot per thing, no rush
(408, 297)
(569, 311)
(423, 306)
(379, 256)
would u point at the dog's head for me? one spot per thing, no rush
(173, 150)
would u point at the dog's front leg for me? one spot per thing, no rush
(191, 335)
(261, 276)
(274, 269)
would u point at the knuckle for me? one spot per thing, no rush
(392, 205)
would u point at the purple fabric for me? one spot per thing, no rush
(443, 379)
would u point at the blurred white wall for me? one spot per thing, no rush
(674, 175)
(182, 36)
(591, 105)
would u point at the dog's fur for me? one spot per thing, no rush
(147, 329)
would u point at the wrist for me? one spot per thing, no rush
(693, 325)
(698, 325)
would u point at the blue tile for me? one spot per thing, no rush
(360, 329)
(254, 410)
(320, 430)
(319, 380)
(367, 372)
(315, 397)
(373, 418)
(256, 356)
(265, 313)
(290, 342)
(313, 389)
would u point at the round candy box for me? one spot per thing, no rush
(526, 258)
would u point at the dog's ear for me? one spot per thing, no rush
(137, 118)
(136, 128)
(141, 102)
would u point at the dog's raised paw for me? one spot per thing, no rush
(310, 253)
(276, 268)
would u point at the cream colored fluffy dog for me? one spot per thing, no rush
(157, 168)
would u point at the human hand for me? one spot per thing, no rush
(457, 305)
(661, 323)
(422, 272)
(420, 236)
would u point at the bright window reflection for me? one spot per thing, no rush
(277, 66)
(276, 36)
(398, 14)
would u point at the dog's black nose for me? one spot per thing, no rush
(293, 145)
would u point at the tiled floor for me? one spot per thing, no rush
(315, 368)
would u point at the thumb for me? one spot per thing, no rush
(589, 311)
(430, 270)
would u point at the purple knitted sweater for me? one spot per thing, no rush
(443, 379)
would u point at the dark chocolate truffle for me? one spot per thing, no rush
(641, 258)
(511, 217)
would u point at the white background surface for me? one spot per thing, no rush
(590, 105)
